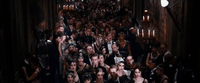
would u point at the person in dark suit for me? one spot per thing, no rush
(115, 57)
(87, 37)
(90, 51)
(26, 65)
(108, 44)
(69, 28)
(93, 69)
(53, 58)
(132, 39)
(114, 76)
(150, 72)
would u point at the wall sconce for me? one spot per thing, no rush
(165, 3)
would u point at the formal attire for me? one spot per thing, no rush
(113, 59)
(108, 46)
(53, 62)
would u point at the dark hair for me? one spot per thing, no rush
(74, 32)
(93, 55)
(99, 69)
(60, 34)
(48, 33)
(154, 46)
(86, 76)
(133, 71)
(101, 54)
(34, 60)
(161, 65)
(79, 55)
(165, 45)
(128, 56)
(72, 60)
(108, 28)
(121, 33)
(69, 72)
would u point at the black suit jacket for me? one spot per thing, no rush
(106, 46)
(86, 59)
(67, 31)
(110, 60)
(53, 55)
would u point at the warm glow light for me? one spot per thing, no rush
(69, 7)
(153, 33)
(142, 33)
(72, 7)
(143, 18)
(138, 32)
(147, 18)
(145, 10)
(66, 7)
(148, 33)
(63, 7)
(164, 3)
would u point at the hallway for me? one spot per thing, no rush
(144, 24)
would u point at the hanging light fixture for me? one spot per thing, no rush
(165, 3)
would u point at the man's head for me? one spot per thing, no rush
(113, 72)
(88, 31)
(71, 22)
(90, 50)
(74, 34)
(154, 49)
(109, 36)
(152, 64)
(129, 60)
(94, 58)
(115, 47)
(164, 47)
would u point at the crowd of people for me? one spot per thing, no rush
(96, 43)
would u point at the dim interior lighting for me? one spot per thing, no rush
(164, 3)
